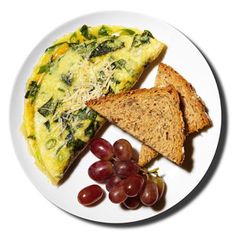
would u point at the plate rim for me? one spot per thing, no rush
(70, 21)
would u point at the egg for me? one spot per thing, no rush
(83, 65)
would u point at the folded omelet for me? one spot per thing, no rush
(86, 64)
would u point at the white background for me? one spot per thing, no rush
(209, 210)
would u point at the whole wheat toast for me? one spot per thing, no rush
(153, 116)
(193, 108)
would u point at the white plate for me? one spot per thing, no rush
(187, 60)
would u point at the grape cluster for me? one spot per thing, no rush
(127, 183)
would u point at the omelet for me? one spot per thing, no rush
(86, 64)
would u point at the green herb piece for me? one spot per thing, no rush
(118, 64)
(55, 106)
(78, 144)
(92, 115)
(54, 46)
(67, 78)
(81, 114)
(89, 131)
(107, 46)
(70, 141)
(101, 76)
(143, 38)
(104, 31)
(47, 125)
(31, 137)
(96, 125)
(63, 118)
(74, 46)
(59, 149)
(79, 125)
(85, 48)
(74, 42)
(85, 32)
(127, 31)
(75, 144)
(51, 143)
(111, 90)
(73, 38)
(46, 68)
(48, 108)
(61, 90)
(93, 87)
(115, 81)
(32, 91)
(146, 35)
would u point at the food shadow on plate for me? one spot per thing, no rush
(82, 154)
(188, 162)
(188, 152)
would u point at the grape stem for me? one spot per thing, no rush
(150, 172)
(154, 171)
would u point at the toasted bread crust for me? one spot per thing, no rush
(194, 109)
(151, 115)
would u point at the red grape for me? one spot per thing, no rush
(123, 150)
(117, 193)
(90, 195)
(149, 194)
(160, 185)
(102, 149)
(100, 170)
(133, 184)
(112, 182)
(125, 168)
(132, 202)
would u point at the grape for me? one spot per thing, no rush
(132, 202)
(133, 184)
(160, 185)
(123, 150)
(112, 182)
(149, 194)
(90, 195)
(100, 170)
(125, 168)
(117, 193)
(102, 149)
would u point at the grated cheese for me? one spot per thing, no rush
(87, 87)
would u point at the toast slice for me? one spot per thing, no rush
(146, 154)
(193, 108)
(153, 116)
